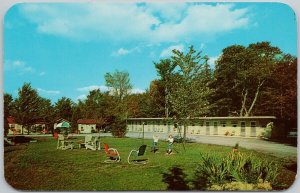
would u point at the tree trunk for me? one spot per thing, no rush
(166, 103)
(254, 100)
(243, 108)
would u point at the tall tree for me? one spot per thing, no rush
(46, 112)
(8, 106)
(64, 108)
(26, 111)
(190, 93)
(158, 99)
(119, 83)
(280, 96)
(241, 74)
(226, 96)
(164, 68)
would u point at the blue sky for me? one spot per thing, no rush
(65, 49)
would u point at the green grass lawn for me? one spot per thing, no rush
(40, 166)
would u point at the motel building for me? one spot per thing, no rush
(252, 127)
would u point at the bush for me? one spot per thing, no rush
(234, 168)
(241, 186)
(118, 128)
(268, 131)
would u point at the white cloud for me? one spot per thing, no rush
(19, 66)
(168, 51)
(93, 87)
(51, 92)
(121, 52)
(137, 91)
(81, 97)
(212, 61)
(150, 23)
(202, 46)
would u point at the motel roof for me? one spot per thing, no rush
(209, 118)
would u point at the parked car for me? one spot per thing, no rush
(107, 129)
(293, 133)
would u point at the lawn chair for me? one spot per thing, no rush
(112, 154)
(134, 156)
(94, 144)
(64, 144)
(87, 139)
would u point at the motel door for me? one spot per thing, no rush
(215, 128)
(243, 128)
(207, 128)
(253, 128)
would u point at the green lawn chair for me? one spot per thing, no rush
(136, 156)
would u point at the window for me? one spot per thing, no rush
(253, 124)
(215, 124)
(207, 124)
(82, 129)
(223, 123)
(234, 123)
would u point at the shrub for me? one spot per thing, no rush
(234, 168)
(241, 186)
(118, 128)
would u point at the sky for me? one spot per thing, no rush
(64, 49)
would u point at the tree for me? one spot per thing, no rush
(164, 68)
(226, 96)
(8, 105)
(93, 107)
(64, 108)
(119, 83)
(46, 112)
(26, 108)
(190, 92)
(158, 99)
(241, 74)
(279, 98)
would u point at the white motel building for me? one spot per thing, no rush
(213, 126)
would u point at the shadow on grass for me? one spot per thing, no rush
(175, 179)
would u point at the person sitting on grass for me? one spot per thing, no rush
(155, 144)
(170, 144)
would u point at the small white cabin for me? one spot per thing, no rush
(86, 125)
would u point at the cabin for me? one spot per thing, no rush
(86, 125)
(210, 126)
(14, 127)
(17, 129)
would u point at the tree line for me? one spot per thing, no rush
(253, 80)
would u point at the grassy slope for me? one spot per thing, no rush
(41, 166)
